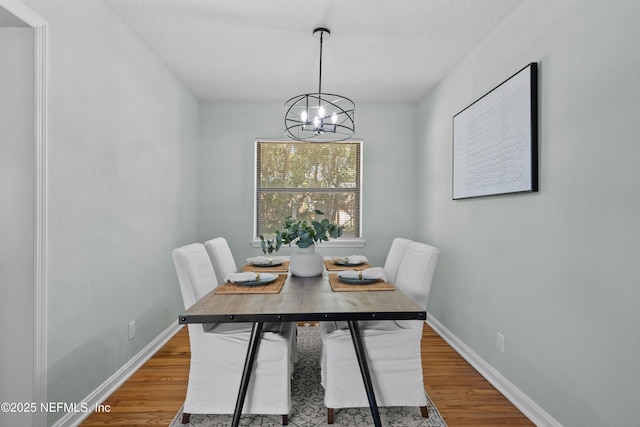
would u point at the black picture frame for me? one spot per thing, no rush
(495, 140)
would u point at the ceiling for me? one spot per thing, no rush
(391, 51)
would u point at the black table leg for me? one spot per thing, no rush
(254, 341)
(354, 328)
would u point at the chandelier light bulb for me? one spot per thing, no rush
(334, 118)
(303, 116)
(321, 112)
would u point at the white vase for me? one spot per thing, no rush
(305, 262)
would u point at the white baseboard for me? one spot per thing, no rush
(100, 394)
(529, 408)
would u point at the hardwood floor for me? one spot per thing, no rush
(461, 394)
(154, 394)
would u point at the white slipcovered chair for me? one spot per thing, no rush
(394, 257)
(392, 347)
(221, 257)
(218, 352)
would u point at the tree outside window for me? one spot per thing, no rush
(296, 178)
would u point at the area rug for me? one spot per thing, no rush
(307, 397)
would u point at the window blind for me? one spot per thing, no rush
(296, 178)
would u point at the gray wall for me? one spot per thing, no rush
(122, 194)
(228, 132)
(17, 190)
(556, 272)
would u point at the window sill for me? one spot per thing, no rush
(334, 243)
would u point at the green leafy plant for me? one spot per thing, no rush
(271, 245)
(303, 233)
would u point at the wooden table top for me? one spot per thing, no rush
(303, 299)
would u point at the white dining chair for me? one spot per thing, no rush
(392, 347)
(394, 257)
(218, 352)
(221, 257)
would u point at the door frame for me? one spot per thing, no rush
(41, 40)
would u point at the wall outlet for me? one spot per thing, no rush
(500, 343)
(132, 329)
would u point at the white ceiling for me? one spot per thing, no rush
(263, 50)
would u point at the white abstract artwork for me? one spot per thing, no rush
(495, 140)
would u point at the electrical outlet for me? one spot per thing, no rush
(500, 343)
(132, 329)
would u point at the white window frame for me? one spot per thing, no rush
(358, 242)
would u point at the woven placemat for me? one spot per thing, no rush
(338, 286)
(270, 288)
(332, 266)
(282, 268)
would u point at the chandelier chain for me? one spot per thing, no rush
(320, 76)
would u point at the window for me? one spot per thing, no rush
(296, 178)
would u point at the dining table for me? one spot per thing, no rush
(305, 299)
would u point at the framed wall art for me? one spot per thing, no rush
(495, 140)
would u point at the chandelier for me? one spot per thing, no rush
(319, 117)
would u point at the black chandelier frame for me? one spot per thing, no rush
(334, 118)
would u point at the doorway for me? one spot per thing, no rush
(23, 42)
